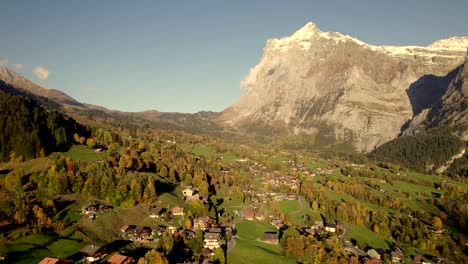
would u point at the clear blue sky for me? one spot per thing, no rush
(188, 56)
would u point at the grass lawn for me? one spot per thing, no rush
(256, 252)
(209, 152)
(249, 250)
(315, 164)
(33, 248)
(82, 153)
(413, 188)
(252, 230)
(365, 235)
(288, 207)
(170, 199)
(28, 166)
(297, 217)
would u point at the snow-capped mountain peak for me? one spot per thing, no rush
(453, 43)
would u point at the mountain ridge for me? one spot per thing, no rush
(314, 81)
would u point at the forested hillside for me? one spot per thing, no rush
(27, 129)
(425, 151)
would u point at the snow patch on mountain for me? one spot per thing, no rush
(306, 36)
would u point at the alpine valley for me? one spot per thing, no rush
(339, 151)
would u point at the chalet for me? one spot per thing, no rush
(330, 228)
(216, 230)
(120, 259)
(270, 238)
(277, 223)
(189, 191)
(105, 208)
(90, 209)
(142, 234)
(94, 208)
(178, 210)
(93, 253)
(187, 233)
(249, 213)
(157, 212)
(127, 228)
(203, 223)
(159, 229)
(211, 240)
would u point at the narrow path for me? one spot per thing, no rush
(300, 200)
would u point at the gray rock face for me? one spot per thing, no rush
(452, 108)
(316, 81)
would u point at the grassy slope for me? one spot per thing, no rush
(249, 250)
(82, 153)
(366, 236)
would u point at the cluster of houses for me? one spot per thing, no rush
(91, 254)
(93, 209)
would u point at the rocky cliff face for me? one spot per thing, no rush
(316, 81)
(452, 108)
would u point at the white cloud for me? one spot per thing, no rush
(3, 62)
(41, 73)
(18, 66)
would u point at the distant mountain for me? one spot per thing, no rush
(201, 122)
(25, 85)
(316, 82)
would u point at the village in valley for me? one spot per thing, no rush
(230, 204)
(267, 202)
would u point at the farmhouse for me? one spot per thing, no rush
(277, 223)
(189, 191)
(159, 229)
(93, 253)
(211, 240)
(270, 238)
(178, 210)
(142, 234)
(157, 212)
(203, 223)
(249, 213)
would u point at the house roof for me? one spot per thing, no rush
(91, 249)
(178, 208)
(331, 225)
(270, 236)
(209, 235)
(215, 230)
(157, 210)
(47, 260)
(118, 259)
